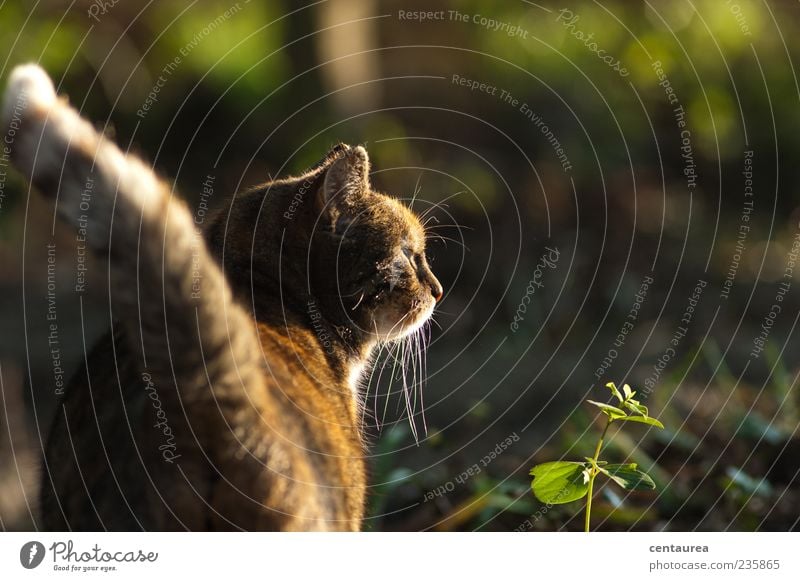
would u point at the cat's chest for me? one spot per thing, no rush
(355, 376)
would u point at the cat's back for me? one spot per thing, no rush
(97, 451)
(121, 457)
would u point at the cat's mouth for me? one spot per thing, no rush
(407, 323)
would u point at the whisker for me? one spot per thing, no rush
(406, 359)
(441, 204)
(361, 298)
(343, 295)
(426, 339)
(435, 206)
(448, 313)
(417, 190)
(430, 218)
(447, 239)
(399, 400)
(396, 359)
(407, 397)
(421, 384)
(381, 349)
(440, 225)
(414, 341)
(393, 355)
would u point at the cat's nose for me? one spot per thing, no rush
(436, 288)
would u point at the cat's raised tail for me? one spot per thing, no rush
(199, 347)
(62, 154)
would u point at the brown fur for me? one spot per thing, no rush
(250, 342)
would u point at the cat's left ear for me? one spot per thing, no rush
(346, 178)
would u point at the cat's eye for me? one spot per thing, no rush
(410, 256)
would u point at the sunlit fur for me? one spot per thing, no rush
(254, 338)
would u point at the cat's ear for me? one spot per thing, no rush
(346, 177)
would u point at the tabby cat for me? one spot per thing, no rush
(226, 395)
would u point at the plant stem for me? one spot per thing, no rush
(592, 475)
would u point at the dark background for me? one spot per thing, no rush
(267, 89)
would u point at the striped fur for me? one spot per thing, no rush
(255, 389)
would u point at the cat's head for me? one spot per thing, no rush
(367, 261)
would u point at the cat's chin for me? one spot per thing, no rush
(416, 320)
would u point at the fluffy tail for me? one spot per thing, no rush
(198, 347)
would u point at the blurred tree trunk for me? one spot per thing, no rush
(346, 41)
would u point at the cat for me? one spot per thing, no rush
(227, 394)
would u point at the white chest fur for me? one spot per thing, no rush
(354, 377)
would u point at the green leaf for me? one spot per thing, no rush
(635, 407)
(628, 476)
(629, 393)
(611, 411)
(748, 484)
(560, 482)
(642, 420)
(614, 391)
(756, 427)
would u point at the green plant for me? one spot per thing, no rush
(562, 482)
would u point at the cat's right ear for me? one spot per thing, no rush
(346, 178)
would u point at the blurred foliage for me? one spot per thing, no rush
(251, 98)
